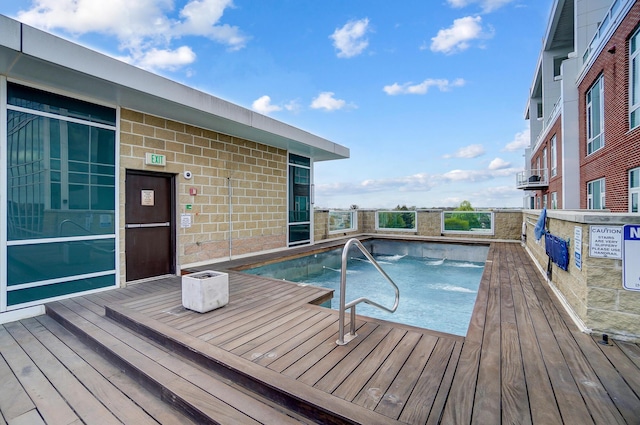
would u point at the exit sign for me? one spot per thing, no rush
(155, 159)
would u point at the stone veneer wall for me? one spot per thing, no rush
(507, 225)
(258, 176)
(595, 293)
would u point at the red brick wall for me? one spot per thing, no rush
(621, 151)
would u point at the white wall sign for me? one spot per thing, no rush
(185, 220)
(630, 256)
(605, 241)
(147, 198)
(577, 246)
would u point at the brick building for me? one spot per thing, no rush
(583, 110)
(110, 174)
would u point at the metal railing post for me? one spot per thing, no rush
(352, 305)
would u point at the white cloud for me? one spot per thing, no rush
(167, 59)
(350, 40)
(264, 106)
(471, 151)
(458, 37)
(413, 183)
(423, 87)
(143, 28)
(486, 5)
(520, 142)
(292, 106)
(499, 164)
(419, 182)
(478, 175)
(325, 100)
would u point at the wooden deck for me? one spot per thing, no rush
(270, 357)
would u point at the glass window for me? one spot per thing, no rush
(634, 80)
(55, 166)
(39, 100)
(299, 199)
(467, 221)
(544, 201)
(554, 200)
(595, 116)
(596, 195)
(554, 157)
(61, 179)
(634, 190)
(343, 221)
(397, 220)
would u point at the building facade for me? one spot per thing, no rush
(585, 140)
(110, 174)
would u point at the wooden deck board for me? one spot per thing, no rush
(487, 398)
(419, 404)
(352, 384)
(118, 390)
(523, 360)
(87, 407)
(382, 379)
(541, 402)
(398, 392)
(49, 403)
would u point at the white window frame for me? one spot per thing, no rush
(554, 156)
(595, 134)
(554, 200)
(544, 201)
(590, 199)
(338, 228)
(634, 80)
(398, 229)
(634, 190)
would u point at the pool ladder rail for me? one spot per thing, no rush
(343, 340)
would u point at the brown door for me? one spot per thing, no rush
(150, 223)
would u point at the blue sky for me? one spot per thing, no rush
(429, 95)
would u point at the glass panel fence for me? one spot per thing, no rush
(467, 221)
(396, 220)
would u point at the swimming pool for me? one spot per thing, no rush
(438, 282)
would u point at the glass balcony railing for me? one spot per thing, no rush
(532, 179)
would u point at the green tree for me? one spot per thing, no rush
(470, 219)
(465, 206)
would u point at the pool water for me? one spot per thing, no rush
(436, 294)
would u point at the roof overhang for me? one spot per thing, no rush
(30, 55)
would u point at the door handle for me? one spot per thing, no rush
(141, 225)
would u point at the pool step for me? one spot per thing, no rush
(203, 395)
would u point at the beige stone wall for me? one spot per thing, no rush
(507, 225)
(595, 292)
(258, 176)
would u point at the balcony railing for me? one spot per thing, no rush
(532, 179)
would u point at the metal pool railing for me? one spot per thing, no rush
(342, 340)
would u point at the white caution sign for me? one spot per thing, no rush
(630, 256)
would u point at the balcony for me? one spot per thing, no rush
(532, 179)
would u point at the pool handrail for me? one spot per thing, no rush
(352, 305)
